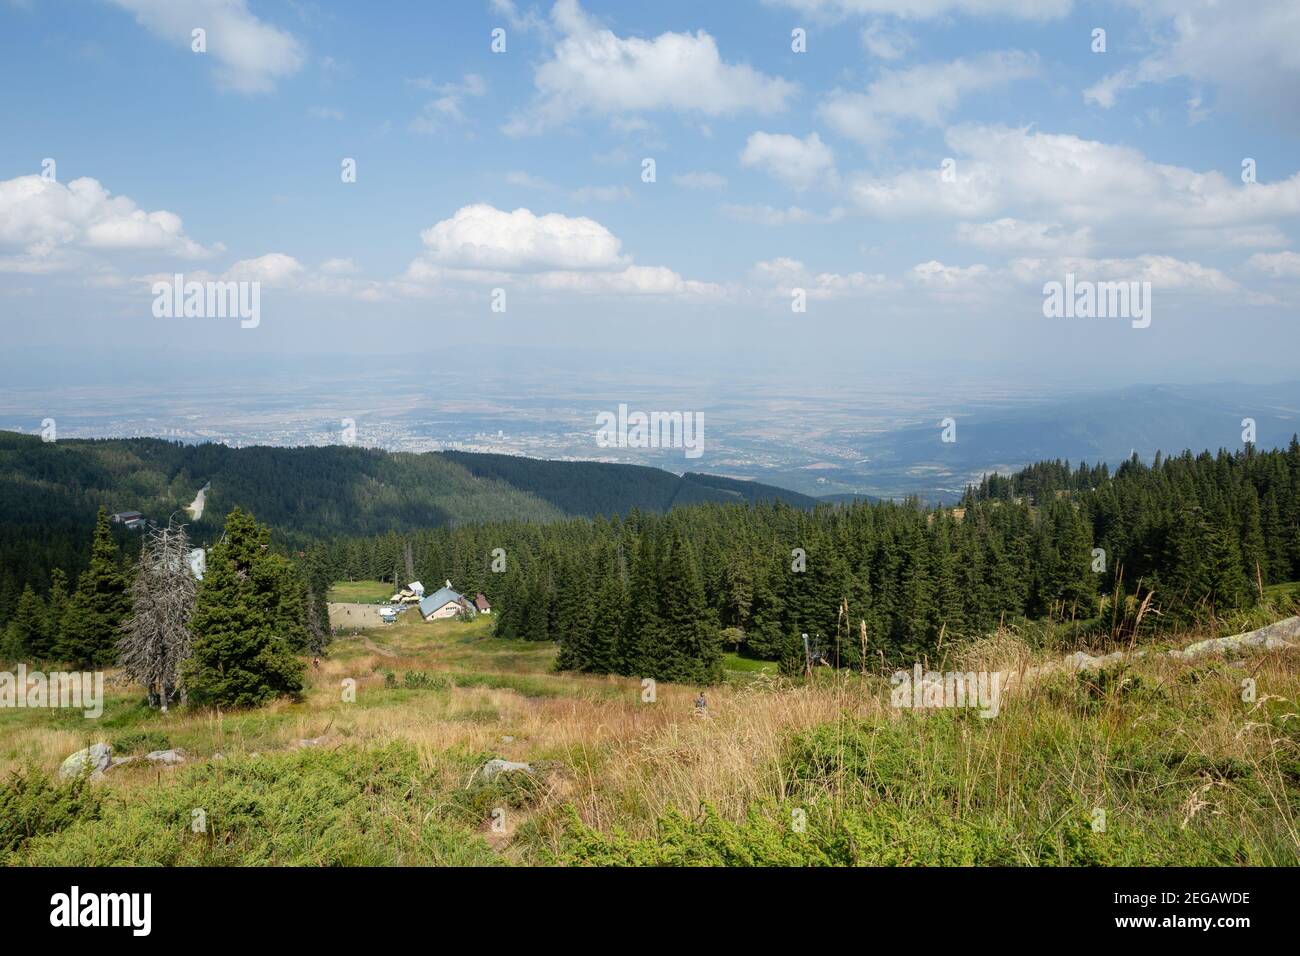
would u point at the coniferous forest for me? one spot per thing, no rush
(663, 595)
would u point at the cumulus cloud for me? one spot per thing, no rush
(43, 221)
(798, 162)
(926, 94)
(1061, 178)
(594, 71)
(781, 276)
(481, 245)
(484, 237)
(1165, 273)
(250, 55)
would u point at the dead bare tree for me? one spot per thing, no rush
(156, 637)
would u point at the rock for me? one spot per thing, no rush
(498, 766)
(312, 742)
(97, 757)
(169, 757)
(507, 739)
(1272, 637)
(119, 761)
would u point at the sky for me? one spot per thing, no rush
(840, 187)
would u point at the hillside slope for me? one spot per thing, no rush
(49, 492)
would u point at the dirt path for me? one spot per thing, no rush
(381, 651)
(196, 506)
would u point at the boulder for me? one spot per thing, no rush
(1273, 637)
(498, 766)
(96, 757)
(168, 757)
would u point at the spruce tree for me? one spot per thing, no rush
(27, 628)
(90, 627)
(247, 618)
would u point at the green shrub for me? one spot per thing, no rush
(32, 805)
(140, 742)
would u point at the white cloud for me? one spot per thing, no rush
(885, 43)
(272, 269)
(325, 113)
(1251, 56)
(634, 280)
(553, 253)
(926, 94)
(587, 194)
(791, 215)
(799, 162)
(527, 21)
(700, 180)
(946, 280)
(45, 221)
(780, 277)
(518, 177)
(930, 9)
(250, 55)
(1060, 178)
(1015, 235)
(1165, 273)
(594, 71)
(338, 267)
(484, 237)
(1282, 264)
(447, 106)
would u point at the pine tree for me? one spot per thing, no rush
(56, 609)
(690, 648)
(642, 635)
(608, 613)
(28, 627)
(90, 627)
(246, 620)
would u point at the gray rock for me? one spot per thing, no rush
(312, 742)
(97, 757)
(169, 757)
(507, 739)
(1272, 637)
(498, 766)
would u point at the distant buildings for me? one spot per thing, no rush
(132, 519)
(445, 603)
(481, 604)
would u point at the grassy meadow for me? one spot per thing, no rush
(1154, 762)
(360, 592)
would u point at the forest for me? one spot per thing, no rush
(50, 492)
(664, 594)
(1149, 547)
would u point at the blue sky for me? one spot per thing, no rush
(775, 170)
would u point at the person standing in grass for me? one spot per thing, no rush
(701, 706)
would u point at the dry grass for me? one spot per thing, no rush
(627, 762)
